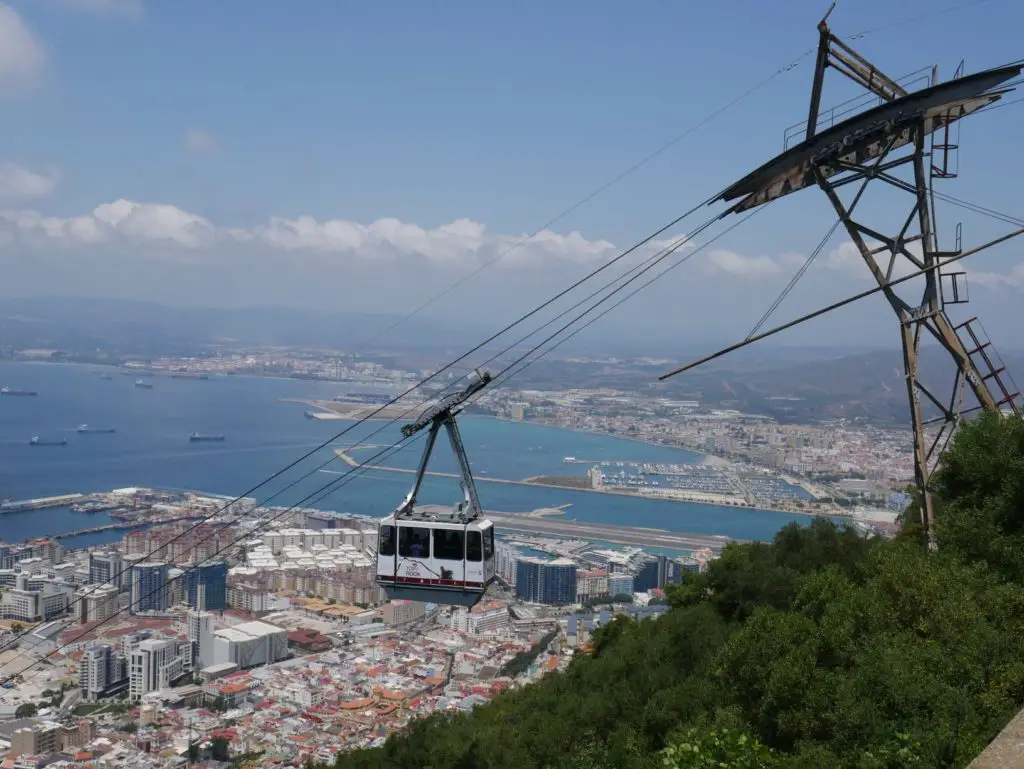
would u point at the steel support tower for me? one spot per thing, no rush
(913, 173)
(903, 141)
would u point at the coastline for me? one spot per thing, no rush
(697, 456)
(351, 462)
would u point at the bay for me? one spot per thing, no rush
(265, 434)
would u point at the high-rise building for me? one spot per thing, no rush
(200, 636)
(175, 586)
(620, 584)
(541, 581)
(6, 556)
(149, 587)
(669, 571)
(97, 602)
(153, 665)
(213, 577)
(506, 558)
(105, 567)
(102, 671)
(646, 577)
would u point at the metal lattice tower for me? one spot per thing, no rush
(903, 142)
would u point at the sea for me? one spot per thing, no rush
(266, 437)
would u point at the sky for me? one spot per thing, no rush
(367, 156)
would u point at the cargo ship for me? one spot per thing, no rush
(12, 391)
(143, 385)
(187, 375)
(87, 429)
(37, 441)
(196, 437)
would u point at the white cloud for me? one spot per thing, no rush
(200, 142)
(463, 242)
(108, 7)
(18, 183)
(22, 56)
(995, 280)
(745, 266)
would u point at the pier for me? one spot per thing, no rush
(41, 504)
(124, 525)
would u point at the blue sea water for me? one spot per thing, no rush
(265, 434)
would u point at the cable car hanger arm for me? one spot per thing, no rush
(441, 415)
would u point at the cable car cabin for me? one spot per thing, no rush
(433, 557)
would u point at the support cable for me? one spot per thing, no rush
(794, 280)
(836, 306)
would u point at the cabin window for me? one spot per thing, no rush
(386, 546)
(448, 545)
(489, 544)
(414, 542)
(474, 548)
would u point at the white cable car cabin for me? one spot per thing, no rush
(433, 557)
(428, 553)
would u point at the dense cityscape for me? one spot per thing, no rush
(176, 637)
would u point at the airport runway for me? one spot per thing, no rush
(603, 532)
(620, 535)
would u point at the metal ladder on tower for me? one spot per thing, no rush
(989, 363)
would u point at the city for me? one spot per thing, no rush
(285, 635)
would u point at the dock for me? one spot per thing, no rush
(41, 503)
(124, 525)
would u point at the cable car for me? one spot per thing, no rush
(435, 555)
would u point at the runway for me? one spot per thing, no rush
(602, 532)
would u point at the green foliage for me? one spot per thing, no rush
(26, 710)
(821, 649)
(219, 748)
(724, 749)
(522, 661)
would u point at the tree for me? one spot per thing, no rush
(26, 710)
(219, 749)
(724, 749)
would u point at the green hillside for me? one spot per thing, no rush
(820, 649)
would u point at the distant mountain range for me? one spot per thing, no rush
(792, 384)
(133, 327)
(147, 328)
